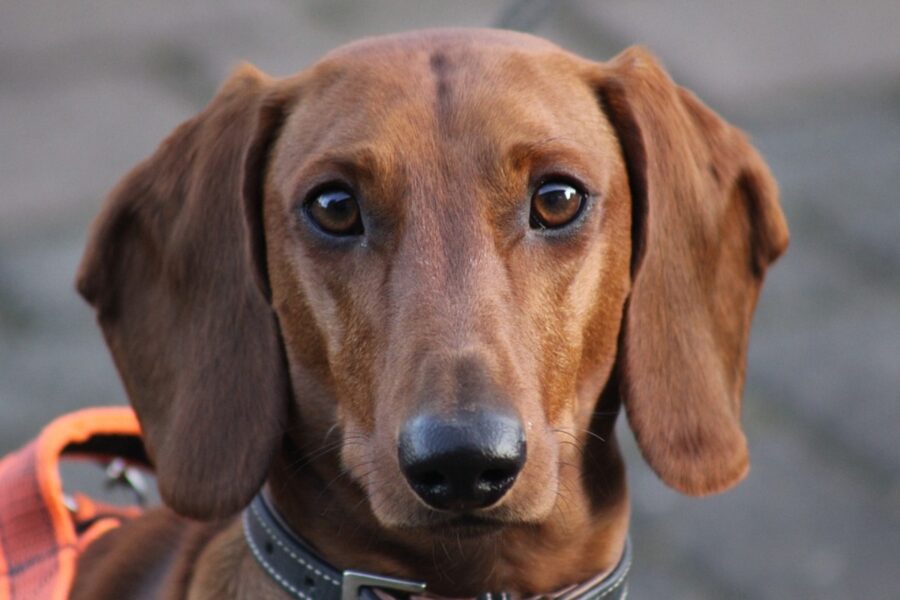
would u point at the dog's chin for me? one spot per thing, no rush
(421, 521)
(412, 517)
(464, 526)
(457, 529)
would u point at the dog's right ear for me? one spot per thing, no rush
(175, 267)
(706, 223)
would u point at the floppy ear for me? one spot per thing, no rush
(706, 223)
(175, 268)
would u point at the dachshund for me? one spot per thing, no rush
(403, 295)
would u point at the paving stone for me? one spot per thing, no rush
(797, 527)
(67, 148)
(52, 357)
(742, 53)
(839, 173)
(827, 339)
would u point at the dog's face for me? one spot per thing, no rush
(440, 248)
(474, 258)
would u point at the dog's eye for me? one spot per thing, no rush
(556, 204)
(335, 211)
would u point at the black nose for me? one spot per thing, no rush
(463, 461)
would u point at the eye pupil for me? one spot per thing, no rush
(335, 211)
(556, 204)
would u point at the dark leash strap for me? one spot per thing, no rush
(298, 569)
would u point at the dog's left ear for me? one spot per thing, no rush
(175, 267)
(705, 225)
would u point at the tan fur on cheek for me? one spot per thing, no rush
(600, 300)
(346, 316)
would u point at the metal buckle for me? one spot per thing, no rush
(354, 580)
(119, 473)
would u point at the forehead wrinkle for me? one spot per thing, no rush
(441, 67)
(463, 82)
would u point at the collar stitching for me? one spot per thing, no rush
(619, 582)
(290, 552)
(265, 564)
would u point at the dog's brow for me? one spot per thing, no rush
(528, 150)
(354, 163)
(548, 152)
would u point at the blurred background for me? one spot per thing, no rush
(89, 87)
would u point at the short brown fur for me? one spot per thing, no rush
(254, 350)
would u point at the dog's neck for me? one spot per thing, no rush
(583, 536)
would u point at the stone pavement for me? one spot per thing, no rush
(88, 88)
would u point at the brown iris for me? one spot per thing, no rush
(336, 212)
(555, 204)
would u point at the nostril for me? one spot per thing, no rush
(497, 476)
(430, 479)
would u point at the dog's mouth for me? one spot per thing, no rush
(463, 525)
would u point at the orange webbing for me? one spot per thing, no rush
(39, 542)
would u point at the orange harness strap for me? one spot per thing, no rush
(40, 537)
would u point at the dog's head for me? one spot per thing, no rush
(438, 249)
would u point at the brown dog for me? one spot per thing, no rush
(409, 289)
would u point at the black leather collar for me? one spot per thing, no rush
(296, 567)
